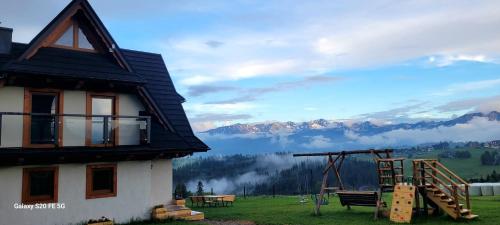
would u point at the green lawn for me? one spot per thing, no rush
(465, 168)
(288, 210)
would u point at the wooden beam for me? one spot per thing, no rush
(387, 151)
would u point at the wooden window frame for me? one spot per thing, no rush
(88, 124)
(26, 198)
(28, 93)
(60, 32)
(89, 193)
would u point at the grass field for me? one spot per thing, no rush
(288, 210)
(465, 168)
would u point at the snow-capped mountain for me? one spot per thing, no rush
(323, 134)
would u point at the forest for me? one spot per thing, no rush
(278, 173)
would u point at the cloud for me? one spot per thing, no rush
(484, 104)
(468, 87)
(447, 60)
(212, 117)
(478, 129)
(252, 94)
(337, 36)
(310, 108)
(220, 117)
(214, 44)
(319, 141)
(200, 90)
(404, 112)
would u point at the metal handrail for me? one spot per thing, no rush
(69, 115)
(57, 119)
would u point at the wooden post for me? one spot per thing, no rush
(274, 190)
(467, 200)
(415, 183)
(455, 198)
(319, 199)
(244, 192)
(422, 182)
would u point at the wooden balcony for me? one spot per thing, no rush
(45, 131)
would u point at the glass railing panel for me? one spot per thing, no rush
(11, 132)
(73, 130)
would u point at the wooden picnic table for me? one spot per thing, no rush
(215, 199)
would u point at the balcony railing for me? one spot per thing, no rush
(41, 130)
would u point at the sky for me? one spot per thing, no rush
(244, 61)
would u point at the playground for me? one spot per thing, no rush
(426, 193)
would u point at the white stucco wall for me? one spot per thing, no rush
(74, 127)
(12, 100)
(161, 181)
(141, 185)
(129, 105)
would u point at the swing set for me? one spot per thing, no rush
(390, 172)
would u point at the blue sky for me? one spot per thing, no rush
(252, 61)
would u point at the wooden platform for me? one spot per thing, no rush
(178, 212)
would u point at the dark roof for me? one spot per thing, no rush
(159, 85)
(170, 128)
(71, 64)
(149, 71)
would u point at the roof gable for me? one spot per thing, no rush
(79, 15)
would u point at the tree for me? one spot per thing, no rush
(181, 191)
(487, 158)
(199, 190)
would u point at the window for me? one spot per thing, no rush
(42, 127)
(74, 37)
(67, 38)
(102, 128)
(101, 181)
(83, 42)
(40, 185)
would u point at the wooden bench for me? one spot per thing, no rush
(196, 200)
(228, 199)
(361, 198)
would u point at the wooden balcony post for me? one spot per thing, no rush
(1, 115)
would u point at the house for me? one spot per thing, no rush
(88, 129)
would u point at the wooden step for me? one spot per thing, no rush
(464, 211)
(433, 189)
(389, 168)
(440, 195)
(453, 206)
(172, 208)
(448, 200)
(470, 216)
(195, 216)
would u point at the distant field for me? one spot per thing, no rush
(288, 210)
(466, 168)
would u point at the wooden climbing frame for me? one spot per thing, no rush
(385, 163)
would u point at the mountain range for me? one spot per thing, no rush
(324, 134)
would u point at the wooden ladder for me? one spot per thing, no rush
(390, 172)
(444, 188)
